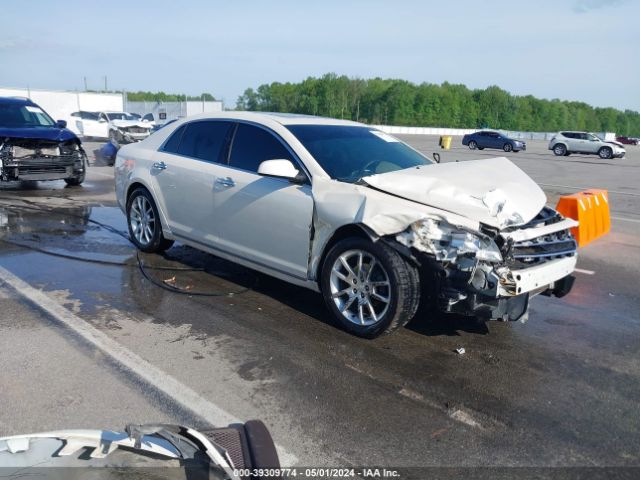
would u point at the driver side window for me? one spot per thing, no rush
(252, 145)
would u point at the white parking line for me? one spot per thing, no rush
(588, 188)
(171, 387)
(622, 219)
(586, 272)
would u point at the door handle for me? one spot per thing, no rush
(159, 165)
(226, 182)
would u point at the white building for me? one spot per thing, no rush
(61, 104)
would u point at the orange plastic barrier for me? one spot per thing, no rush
(591, 209)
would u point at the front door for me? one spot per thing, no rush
(262, 219)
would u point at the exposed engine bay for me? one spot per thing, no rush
(491, 274)
(38, 159)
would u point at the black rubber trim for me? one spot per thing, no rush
(261, 447)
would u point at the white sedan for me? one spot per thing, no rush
(118, 127)
(349, 211)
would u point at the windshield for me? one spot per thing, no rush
(349, 153)
(15, 115)
(120, 116)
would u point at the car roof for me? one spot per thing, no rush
(281, 118)
(16, 100)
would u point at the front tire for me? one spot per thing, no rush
(507, 147)
(77, 180)
(370, 289)
(560, 150)
(473, 145)
(605, 153)
(143, 220)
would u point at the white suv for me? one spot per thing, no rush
(566, 143)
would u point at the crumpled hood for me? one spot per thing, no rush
(41, 133)
(130, 123)
(617, 144)
(492, 191)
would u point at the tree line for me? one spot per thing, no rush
(142, 96)
(399, 102)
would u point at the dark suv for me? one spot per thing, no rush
(35, 147)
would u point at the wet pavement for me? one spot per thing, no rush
(559, 390)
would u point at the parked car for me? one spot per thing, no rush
(627, 140)
(566, 143)
(74, 122)
(492, 139)
(119, 127)
(35, 147)
(349, 211)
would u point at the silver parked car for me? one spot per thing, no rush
(349, 211)
(566, 143)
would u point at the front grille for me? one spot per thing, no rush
(136, 130)
(544, 248)
(33, 170)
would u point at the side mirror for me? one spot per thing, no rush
(281, 169)
(101, 120)
(436, 157)
(61, 123)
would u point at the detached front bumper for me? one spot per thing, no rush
(492, 274)
(504, 293)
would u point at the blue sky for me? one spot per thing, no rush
(570, 49)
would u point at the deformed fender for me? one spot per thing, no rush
(337, 204)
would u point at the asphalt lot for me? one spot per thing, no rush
(559, 390)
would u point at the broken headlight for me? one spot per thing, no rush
(448, 242)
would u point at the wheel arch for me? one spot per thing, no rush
(359, 230)
(345, 231)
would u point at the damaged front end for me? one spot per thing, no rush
(492, 273)
(125, 134)
(38, 159)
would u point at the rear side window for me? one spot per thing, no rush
(171, 145)
(253, 145)
(204, 140)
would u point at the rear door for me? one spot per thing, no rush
(95, 125)
(263, 219)
(185, 170)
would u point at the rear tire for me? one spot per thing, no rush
(605, 153)
(560, 150)
(473, 145)
(378, 293)
(143, 220)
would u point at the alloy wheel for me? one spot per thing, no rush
(605, 153)
(142, 220)
(360, 287)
